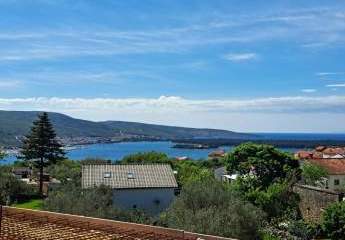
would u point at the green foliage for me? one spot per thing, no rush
(41, 147)
(266, 163)
(303, 230)
(66, 170)
(333, 221)
(190, 171)
(210, 207)
(11, 189)
(2, 155)
(312, 173)
(276, 200)
(146, 158)
(95, 202)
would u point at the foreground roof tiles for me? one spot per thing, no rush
(129, 176)
(23, 224)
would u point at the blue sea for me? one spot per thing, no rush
(116, 151)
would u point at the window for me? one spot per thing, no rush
(130, 175)
(336, 182)
(107, 175)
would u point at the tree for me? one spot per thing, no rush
(333, 221)
(312, 174)
(264, 163)
(93, 202)
(145, 158)
(2, 155)
(11, 189)
(41, 146)
(211, 207)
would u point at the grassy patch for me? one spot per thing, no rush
(36, 204)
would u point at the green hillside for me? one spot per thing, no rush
(15, 124)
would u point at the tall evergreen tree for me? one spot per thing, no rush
(41, 147)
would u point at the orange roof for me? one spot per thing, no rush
(332, 166)
(334, 150)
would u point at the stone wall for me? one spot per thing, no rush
(314, 200)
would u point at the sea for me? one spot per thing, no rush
(116, 151)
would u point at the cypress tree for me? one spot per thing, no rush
(41, 147)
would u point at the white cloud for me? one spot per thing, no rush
(336, 85)
(240, 57)
(321, 74)
(309, 90)
(259, 114)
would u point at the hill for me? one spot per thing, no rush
(16, 124)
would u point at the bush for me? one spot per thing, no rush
(333, 221)
(210, 207)
(13, 190)
(95, 202)
(312, 174)
(276, 200)
(146, 158)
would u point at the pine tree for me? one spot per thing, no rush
(41, 147)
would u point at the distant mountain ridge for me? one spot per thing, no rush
(16, 124)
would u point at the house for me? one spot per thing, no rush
(321, 152)
(148, 187)
(221, 174)
(22, 173)
(217, 154)
(336, 172)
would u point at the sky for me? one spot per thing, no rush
(249, 66)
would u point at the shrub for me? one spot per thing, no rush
(210, 207)
(333, 221)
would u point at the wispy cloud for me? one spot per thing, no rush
(9, 83)
(240, 57)
(309, 90)
(328, 73)
(336, 85)
(309, 26)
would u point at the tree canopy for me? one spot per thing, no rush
(211, 207)
(41, 147)
(313, 174)
(264, 163)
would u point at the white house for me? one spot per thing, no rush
(336, 172)
(147, 187)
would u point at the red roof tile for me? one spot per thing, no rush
(332, 166)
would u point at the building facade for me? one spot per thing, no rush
(145, 187)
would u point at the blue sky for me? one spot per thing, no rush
(238, 65)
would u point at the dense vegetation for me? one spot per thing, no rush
(259, 204)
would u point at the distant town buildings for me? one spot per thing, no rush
(148, 187)
(332, 159)
(220, 153)
(322, 152)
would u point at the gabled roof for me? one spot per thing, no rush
(332, 166)
(129, 176)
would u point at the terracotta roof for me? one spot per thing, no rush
(304, 154)
(334, 150)
(332, 166)
(25, 224)
(129, 176)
